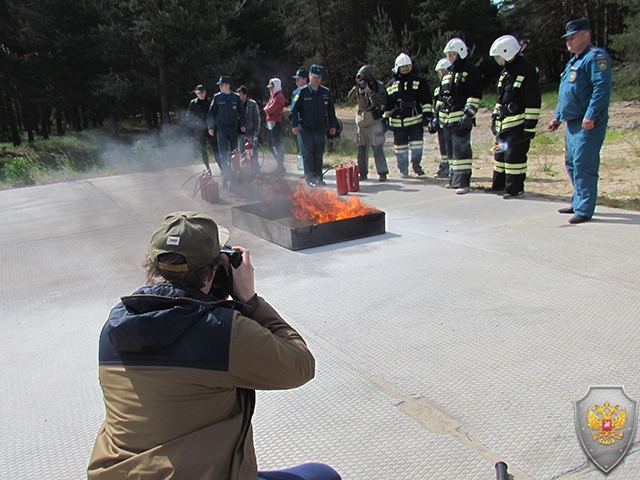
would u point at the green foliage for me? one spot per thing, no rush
(17, 172)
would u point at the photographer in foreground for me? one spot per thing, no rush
(179, 364)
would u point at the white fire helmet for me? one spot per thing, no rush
(507, 47)
(458, 46)
(443, 64)
(402, 60)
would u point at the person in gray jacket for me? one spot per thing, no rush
(371, 96)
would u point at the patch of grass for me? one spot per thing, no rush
(546, 167)
(626, 93)
(17, 172)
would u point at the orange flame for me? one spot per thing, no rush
(321, 206)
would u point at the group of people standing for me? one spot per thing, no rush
(406, 105)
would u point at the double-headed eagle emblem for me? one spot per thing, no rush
(605, 422)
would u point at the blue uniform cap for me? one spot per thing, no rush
(316, 70)
(301, 73)
(224, 79)
(574, 26)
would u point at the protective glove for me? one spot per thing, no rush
(466, 123)
(426, 119)
(494, 130)
(433, 126)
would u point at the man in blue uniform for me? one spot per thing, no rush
(312, 110)
(227, 114)
(583, 102)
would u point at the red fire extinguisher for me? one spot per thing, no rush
(341, 180)
(209, 188)
(246, 164)
(354, 177)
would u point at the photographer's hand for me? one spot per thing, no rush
(243, 277)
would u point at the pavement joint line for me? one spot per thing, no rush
(115, 202)
(420, 409)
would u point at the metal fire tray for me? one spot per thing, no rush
(274, 222)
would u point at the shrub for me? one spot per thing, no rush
(17, 172)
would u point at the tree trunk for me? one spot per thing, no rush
(59, 124)
(45, 113)
(164, 102)
(11, 115)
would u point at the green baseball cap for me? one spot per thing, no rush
(193, 235)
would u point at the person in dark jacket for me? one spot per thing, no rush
(407, 111)
(179, 364)
(312, 110)
(514, 117)
(197, 116)
(460, 95)
(227, 115)
(371, 97)
(252, 112)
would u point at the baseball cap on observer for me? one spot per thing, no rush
(194, 236)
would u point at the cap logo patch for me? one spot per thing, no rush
(173, 240)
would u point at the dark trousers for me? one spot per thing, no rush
(443, 167)
(203, 138)
(313, 143)
(307, 471)
(227, 143)
(458, 146)
(510, 163)
(407, 139)
(275, 143)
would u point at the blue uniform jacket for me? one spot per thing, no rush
(310, 109)
(585, 86)
(226, 114)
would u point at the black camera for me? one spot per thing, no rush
(235, 257)
(362, 83)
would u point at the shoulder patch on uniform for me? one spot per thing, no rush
(602, 62)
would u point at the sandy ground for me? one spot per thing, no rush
(619, 172)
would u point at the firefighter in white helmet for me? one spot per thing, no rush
(459, 97)
(434, 127)
(514, 118)
(407, 110)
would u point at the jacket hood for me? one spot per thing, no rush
(277, 85)
(367, 72)
(155, 316)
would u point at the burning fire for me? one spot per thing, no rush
(321, 206)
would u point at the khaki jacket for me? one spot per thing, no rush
(179, 403)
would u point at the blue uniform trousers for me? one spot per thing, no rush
(313, 143)
(227, 143)
(582, 160)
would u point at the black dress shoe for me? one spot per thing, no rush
(565, 210)
(579, 219)
(508, 196)
(491, 190)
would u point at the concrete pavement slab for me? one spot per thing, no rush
(458, 338)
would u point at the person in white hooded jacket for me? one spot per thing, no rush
(274, 109)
